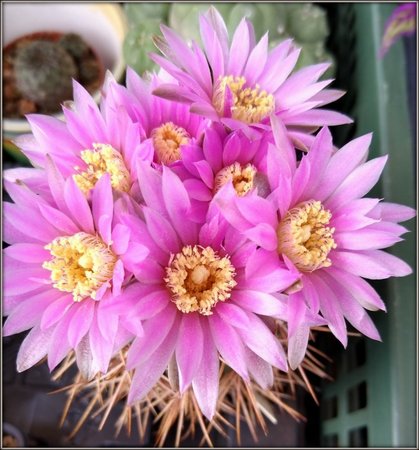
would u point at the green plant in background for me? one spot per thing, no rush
(306, 23)
(43, 73)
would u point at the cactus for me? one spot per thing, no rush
(44, 72)
(74, 45)
(305, 23)
(308, 24)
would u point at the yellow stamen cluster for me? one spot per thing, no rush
(102, 159)
(167, 140)
(242, 178)
(199, 278)
(250, 105)
(303, 235)
(81, 264)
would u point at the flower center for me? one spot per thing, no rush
(303, 235)
(243, 178)
(199, 278)
(248, 104)
(81, 264)
(102, 159)
(167, 140)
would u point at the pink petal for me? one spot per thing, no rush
(59, 345)
(107, 321)
(59, 220)
(178, 205)
(259, 369)
(100, 346)
(319, 156)
(353, 311)
(342, 163)
(143, 347)
(297, 346)
(257, 60)
(329, 307)
(283, 143)
(77, 205)
(120, 238)
(118, 277)
(56, 184)
(151, 186)
(27, 313)
(102, 206)
(229, 344)
(263, 235)
(189, 349)
(30, 253)
(296, 312)
(56, 310)
(239, 50)
(257, 209)
(36, 229)
(364, 293)
(205, 382)
(213, 48)
(34, 278)
(392, 212)
(86, 364)
(232, 314)
(33, 348)
(81, 321)
(318, 117)
(300, 180)
(147, 374)
(161, 231)
(262, 341)
(149, 305)
(358, 183)
(260, 303)
(276, 281)
(365, 239)
(372, 264)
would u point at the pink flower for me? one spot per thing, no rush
(241, 84)
(221, 158)
(167, 127)
(201, 292)
(91, 142)
(65, 263)
(317, 220)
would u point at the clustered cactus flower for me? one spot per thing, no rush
(197, 222)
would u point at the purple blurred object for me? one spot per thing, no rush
(401, 22)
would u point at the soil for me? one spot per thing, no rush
(15, 105)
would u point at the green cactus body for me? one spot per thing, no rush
(44, 72)
(184, 18)
(274, 19)
(251, 12)
(138, 44)
(305, 23)
(74, 45)
(141, 12)
(308, 23)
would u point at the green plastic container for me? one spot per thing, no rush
(372, 402)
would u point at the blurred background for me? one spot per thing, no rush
(371, 400)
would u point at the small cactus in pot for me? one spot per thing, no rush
(44, 72)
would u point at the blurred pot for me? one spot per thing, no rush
(102, 26)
